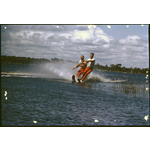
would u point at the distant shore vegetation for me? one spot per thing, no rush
(26, 60)
(112, 67)
(118, 68)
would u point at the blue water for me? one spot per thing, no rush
(43, 95)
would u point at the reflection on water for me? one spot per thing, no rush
(86, 85)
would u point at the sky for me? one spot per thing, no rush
(112, 44)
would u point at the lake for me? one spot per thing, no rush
(43, 95)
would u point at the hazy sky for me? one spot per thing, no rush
(111, 44)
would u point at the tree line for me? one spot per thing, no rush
(118, 68)
(26, 60)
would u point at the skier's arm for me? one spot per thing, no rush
(76, 66)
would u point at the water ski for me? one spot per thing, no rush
(73, 79)
(78, 81)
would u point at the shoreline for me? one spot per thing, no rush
(119, 71)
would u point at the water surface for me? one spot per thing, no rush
(43, 95)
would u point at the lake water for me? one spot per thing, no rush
(43, 95)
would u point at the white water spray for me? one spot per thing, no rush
(60, 70)
(101, 77)
(64, 70)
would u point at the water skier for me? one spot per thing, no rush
(82, 64)
(90, 65)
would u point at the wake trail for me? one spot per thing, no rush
(60, 70)
(101, 78)
(45, 70)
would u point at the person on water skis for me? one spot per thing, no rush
(82, 64)
(90, 65)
